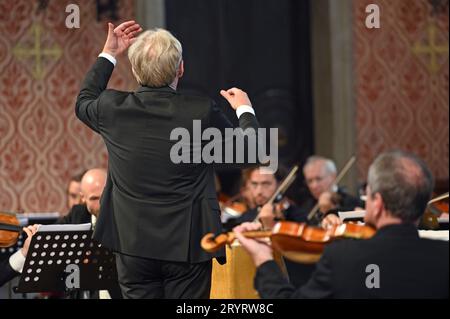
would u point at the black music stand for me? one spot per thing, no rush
(54, 248)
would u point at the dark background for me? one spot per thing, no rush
(260, 46)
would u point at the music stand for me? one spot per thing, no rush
(352, 216)
(55, 247)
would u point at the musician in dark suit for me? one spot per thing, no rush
(78, 214)
(12, 267)
(320, 174)
(155, 210)
(262, 185)
(91, 188)
(92, 185)
(395, 263)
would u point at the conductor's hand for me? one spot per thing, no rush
(236, 97)
(259, 250)
(30, 230)
(120, 38)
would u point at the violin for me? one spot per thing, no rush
(276, 199)
(10, 229)
(335, 199)
(435, 208)
(296, 241)
(234, 203)
(439, 204)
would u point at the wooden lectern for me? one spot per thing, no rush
(234, 280)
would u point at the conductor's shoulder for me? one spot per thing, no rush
(114, 95)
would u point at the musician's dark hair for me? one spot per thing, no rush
(78, 177)
(280, 174)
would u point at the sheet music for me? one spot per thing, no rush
(40, 215)
(352, 215)
(54, 228)
(435, 234)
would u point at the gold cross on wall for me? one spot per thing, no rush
(37, 51)
(433, 49)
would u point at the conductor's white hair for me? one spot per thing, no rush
(155, 58)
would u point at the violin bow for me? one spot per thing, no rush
(432, 208)
(284, 186)
(437, 199)
(287, 182)
(336, 181)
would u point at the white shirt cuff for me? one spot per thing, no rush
(109, 57)
(17, 260)
(104, 294)
(244, 109)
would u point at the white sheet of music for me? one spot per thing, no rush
(435, 234)
(53, 228)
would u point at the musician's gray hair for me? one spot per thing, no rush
(329, 165)
(404, 182)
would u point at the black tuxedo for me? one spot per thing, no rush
(151, 207)
(6, 272)
(409, 267)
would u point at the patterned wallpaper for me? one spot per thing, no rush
(401, 76)
(42, 64)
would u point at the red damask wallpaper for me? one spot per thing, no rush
(401, 76)
(42, 64)
(401, 92)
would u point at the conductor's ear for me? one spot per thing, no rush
(180, 69)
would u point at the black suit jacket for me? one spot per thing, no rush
(346, 202)
(77, 215)
(409, 267)
(292, 213)
(6, 272)
(150, 206)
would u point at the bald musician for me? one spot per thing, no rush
(92, 185)
(91, 188)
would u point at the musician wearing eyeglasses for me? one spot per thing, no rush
(391, 264)
(322, 191)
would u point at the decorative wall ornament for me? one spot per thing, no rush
(42, 64)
